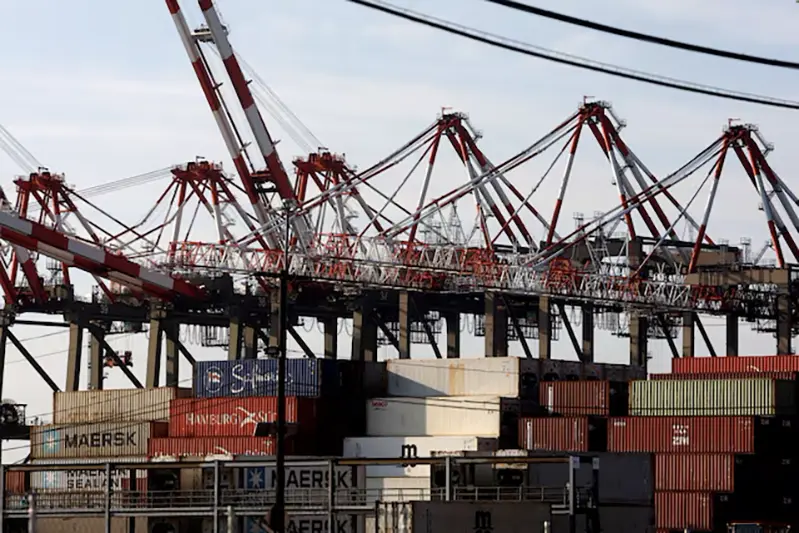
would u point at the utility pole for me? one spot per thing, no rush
(278, 520)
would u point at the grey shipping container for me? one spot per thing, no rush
(107, 439)
(713, 397)
(624, 478)
(612, 519)
(468, 517)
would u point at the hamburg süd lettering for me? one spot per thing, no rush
(101, 439)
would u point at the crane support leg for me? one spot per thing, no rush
(731, 331)
(3, 344)
(250, 337)
(688, 335)
(172, 366)
(236, 338)
(74, 356)
(588, 333)
(404, 314)
(453, 321)
(274, 319)
(784, 325)
(330, 325)
(544, 328)
(364, 333)
(638, 340)
(496, 324)
(96, 352)
(154, 353)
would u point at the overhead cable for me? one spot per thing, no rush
(583, 23)
(571, 60)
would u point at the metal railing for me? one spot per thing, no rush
(257, 501)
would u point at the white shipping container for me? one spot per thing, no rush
(117, 405)
(486, 376)
(440, 416)
(84, 480)
(397, 489)
(117, 439)
(468, 517)
(395, 447)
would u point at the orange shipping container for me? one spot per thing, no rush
(563, 434)
(695, 472)
(764, 363)
(583, 398)
(236, 416)
(202, 446)
(699, 434)
(684, 510)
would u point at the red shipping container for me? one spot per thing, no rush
(202, 446)
(695, 472)
(684, 510)
(697, 434)
(204, 417)
(584, 398)
(15, 482)
(567, 434)
(791, 376)
(763, 363)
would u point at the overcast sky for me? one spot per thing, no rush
(103, 90)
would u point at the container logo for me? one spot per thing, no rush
(213, 379)
(51, 440)
(242, 380)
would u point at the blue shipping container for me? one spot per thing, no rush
(258, 377)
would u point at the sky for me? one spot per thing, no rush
(103, 90)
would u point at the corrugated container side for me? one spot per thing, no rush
(695, 472)
(102, 439)
(397, 489)
(117, 405)
(757, 363)
(85, 480)
(203, 417)
(514, 517)
(560, 434)
(461, 416)
(391, 447)
(87, 525)
(791, 376)
(731, 397)
(684, 510)
(624, 478)
(700, 434)
(491, 376)
(15, 482)
(258, 377)
(582, 398)
(201, 446)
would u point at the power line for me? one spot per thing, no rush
(571, 60)
(584, 23)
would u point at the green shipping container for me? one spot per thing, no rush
(713, 397)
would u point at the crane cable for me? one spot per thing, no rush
(671, 43)
(572, 60)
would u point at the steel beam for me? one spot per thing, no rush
(731, 334)
(496, 325)
(544, 328)
(688, 335)
(588, 333)
(74, 356)
(453, 322)
(404, 314)
(330, 325)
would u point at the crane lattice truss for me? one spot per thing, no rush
(490, 243)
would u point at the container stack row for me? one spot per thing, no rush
(723, 439)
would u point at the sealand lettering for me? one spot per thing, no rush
(101, 439)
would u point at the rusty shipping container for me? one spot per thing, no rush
(791, 376)
(684, 510)
(115, 405)
(202, 446)
(746, 474)
(87, 525)
(583, 398)
(563, 434)
(15, 482)
(700, 434)
(711, 397)
(102, 439)
(764, 363)
(236, 416)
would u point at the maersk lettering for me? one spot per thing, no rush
(303, 478)
(317, 525)
(101, 439)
